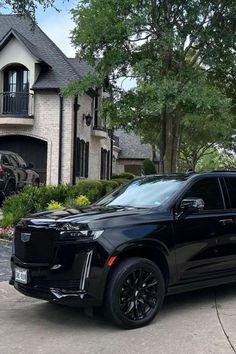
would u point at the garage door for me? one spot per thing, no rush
(31, 149)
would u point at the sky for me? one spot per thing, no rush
(57, 25)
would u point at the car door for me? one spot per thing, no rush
(197, 234)
(20, 172)
(7, 171)
(227, 242)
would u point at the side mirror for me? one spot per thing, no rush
(30, 165)
(192, 205)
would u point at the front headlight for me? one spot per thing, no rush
(80, 234)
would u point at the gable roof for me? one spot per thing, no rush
(29, 46)
(132, 147)
(59, 71)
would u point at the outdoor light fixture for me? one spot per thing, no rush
(88, 119)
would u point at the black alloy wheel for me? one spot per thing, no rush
(135, 292)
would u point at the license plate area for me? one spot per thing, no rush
(21, 275)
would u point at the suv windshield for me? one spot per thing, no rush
(145, 192)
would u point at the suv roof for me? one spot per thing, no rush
(194, 174)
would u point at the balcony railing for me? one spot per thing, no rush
(16, 104)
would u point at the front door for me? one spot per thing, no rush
(197, 235)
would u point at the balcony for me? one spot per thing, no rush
(100, 132)
(16, 108)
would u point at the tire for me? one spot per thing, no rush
(36, 183)
(135, 292)
(10, 189)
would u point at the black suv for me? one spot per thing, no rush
(156, 236)
(15, 174)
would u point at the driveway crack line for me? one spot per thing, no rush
(222, 327)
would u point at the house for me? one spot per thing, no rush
(63, 137)
(129, 153)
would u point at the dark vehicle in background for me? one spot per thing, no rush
(156, 236)
(15, 174)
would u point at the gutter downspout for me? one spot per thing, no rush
(76, 108)
(60, 141)
(111, 154)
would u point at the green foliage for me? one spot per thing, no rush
(27, 7)
(200, 133)
(217, 160)
(34, 199)
(54, 205)
(8, 220)
(81, 200)
(149, 167)
(126, 175)
(172, 48)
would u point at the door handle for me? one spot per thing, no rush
(226, 221)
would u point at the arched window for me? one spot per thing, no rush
(16, 90)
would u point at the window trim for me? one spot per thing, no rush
(227, 191)
(82, 158)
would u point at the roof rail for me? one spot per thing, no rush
(233, 171)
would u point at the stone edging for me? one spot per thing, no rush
(7, 242)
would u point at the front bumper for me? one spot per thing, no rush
(67, 297)
(80, 282)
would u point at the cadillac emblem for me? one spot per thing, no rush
(25, 236)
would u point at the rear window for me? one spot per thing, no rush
(231, 185)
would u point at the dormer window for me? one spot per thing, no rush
(16, 91)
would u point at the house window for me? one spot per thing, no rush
(105, 164)
(82, 158)
(16, 90)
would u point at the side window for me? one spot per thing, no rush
(6, 161)
(207, 189)
(20, 161)
(231, 185)
(13, 161)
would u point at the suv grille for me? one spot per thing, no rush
(40, 248)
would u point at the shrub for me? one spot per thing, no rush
(34, 199)
(54, 205)
(82, 200)
(149, 167)
(125, 175)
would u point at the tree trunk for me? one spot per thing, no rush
(162, 140)
(170, 129)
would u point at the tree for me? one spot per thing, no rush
(26, 7)
(200, 134)
(164, 45)
(217, 160)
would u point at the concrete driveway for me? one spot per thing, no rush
(198, 322)
(5, 254)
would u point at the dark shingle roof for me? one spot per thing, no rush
(60, 69)
(131, 146)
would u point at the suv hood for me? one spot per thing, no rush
(94, 217)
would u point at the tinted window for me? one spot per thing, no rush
(13, 161)
(231, 184)
(6, 161)
(20, 161)
(148, 192)
(207, 189)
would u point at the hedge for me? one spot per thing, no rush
(34, 199)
